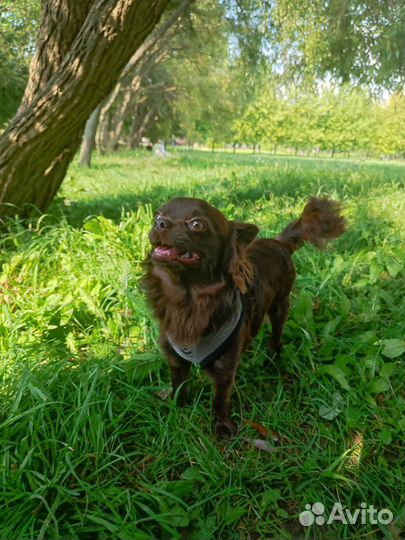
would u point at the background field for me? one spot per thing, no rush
(91, 447)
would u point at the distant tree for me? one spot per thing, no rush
(89, 138)
(184, 87)
(18, 26)
(338, 120)
(302, 124)
(390, 131)
(121, 111)
(354, 41)
(82, 48)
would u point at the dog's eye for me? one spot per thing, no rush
(196, 225)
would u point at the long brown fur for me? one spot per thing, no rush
(191, 300)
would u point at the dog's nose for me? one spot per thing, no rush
(162, 223)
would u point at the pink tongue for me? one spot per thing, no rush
(169, 252)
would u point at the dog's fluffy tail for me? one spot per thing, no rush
(320, 221)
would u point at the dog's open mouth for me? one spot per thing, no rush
(172, 254)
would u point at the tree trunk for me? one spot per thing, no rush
(139, 128)
(40, 142)
(61, 21)
(89, 138)
(120, 119)
(103, 133)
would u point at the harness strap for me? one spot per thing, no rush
(215, 344)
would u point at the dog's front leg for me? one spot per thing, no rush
(180, 372)
(222, 372)
(278, 314)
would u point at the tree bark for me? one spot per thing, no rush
(40, 142)
(61, 21)
(89, 138)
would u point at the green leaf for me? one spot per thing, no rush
(375, 271)
(38, 392)
(378, 386)
(269, 498)
(330, 327)
(140, 365)
(206, 528)
(302, 311)
(178, 517)
(394, 266)
(71, 343)
(393, 347)
(336, 372)
(345, 305)
(365, 337)
(344, 360)
(111, 527)
(180, 488)
(53, 301)
(385, 436)
(90, 303)
(94, 226)
(280, 512)
(332, 411)
(339, 264)
(192, 473)
(388, 369)
(234, 514)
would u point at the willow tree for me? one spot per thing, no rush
(82, 48)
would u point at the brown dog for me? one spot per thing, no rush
(211, 283)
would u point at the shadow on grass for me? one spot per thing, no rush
(240, 190)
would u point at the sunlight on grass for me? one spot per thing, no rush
(357, 449)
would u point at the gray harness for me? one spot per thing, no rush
(213, 345)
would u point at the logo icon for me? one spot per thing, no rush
(312, 514)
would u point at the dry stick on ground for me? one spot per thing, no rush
(41, 140)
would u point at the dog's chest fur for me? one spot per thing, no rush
(188, 313)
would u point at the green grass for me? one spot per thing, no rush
(90, 447)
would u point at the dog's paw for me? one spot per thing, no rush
(225, 429)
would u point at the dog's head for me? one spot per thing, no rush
(195, 240)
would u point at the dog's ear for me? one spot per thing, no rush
(239, 266)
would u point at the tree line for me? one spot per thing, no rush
(212, 71)
(340, 120)
(193, 87)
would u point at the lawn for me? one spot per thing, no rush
(92, 448)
